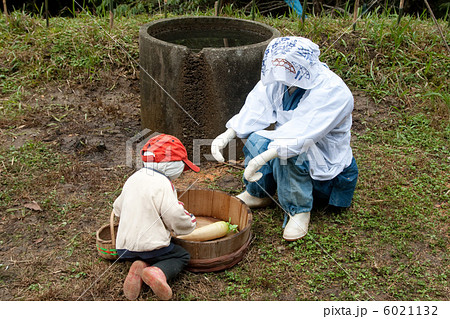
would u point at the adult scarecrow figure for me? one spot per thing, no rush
(307, 155)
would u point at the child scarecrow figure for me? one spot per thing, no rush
(149, 211)
(307, 155)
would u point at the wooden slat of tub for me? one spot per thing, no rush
(245, 214)
(235, 211)
(220, 205)
(200, 202)
(216, 248)
(183, 196)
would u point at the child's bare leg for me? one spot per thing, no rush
(133, 283)
(157, 281)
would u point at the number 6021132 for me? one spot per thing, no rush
(410, 311)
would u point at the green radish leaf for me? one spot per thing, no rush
(231, 227)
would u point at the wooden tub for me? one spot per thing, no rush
(223, 253)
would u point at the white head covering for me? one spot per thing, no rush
(293, 61)
(172, 170)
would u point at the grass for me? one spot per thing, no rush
(59, 90)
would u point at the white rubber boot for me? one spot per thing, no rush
(297, 227)
(254, 202)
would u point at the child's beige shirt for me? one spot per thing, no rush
(149, 210)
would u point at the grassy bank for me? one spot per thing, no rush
(69, 100)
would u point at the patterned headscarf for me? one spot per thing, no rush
(294, 61)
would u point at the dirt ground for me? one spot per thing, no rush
(48, 251)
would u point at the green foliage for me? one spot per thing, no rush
(389, 60)
(31, 53)
(34, 156)
(20, 164)
(130, 8)
(122, 8)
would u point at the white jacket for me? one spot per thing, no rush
(319, 126)
(149, 210)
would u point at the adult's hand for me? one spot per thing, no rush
(220, 142)
(251, 173)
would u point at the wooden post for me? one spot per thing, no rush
(5, 8)
(303, 17)
(305, 3)
(437, 25)
(400, 11)
(217, 7)
(165, 8)
(253, 9)
(46, 12)
(111, 14)
(355, 14)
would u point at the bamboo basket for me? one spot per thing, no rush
(222, 253)
(106, 239)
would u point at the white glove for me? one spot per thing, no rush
(220, 142)
(251, 173)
